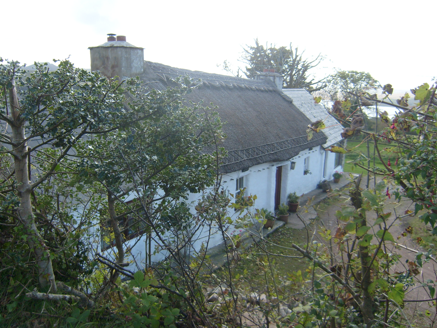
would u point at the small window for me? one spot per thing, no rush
(306, 166)
(239, 184)
(339, 157)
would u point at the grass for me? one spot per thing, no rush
(358, 154)
(255, 269)
(261, 273)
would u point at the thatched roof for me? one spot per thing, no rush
(260, 122)
(305, 102)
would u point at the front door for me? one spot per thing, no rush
(278, 187)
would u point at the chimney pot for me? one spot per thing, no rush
(121, 38)
(111, 37)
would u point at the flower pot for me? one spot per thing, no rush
(292, 207)
(325, 186)
(336, 180)
(284, 218)
(269, 224)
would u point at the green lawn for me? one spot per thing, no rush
(255, 271)
(358, 154)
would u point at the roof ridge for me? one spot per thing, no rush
(227, 80)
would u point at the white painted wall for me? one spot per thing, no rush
(297, 181)
(259, 180)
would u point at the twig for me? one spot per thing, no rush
(116, 267)
(25, 287)
(414, 251)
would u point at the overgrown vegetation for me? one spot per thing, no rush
(75, 146)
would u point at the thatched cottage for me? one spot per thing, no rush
(268, 150)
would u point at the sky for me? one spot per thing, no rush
(392, 40)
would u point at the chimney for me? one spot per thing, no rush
(117, 57)
(269, 74)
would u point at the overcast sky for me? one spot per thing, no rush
(392, 40)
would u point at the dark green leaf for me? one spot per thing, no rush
(397, 294)
(387, 235)
(362, 231)
(365, 241)
(371, 197)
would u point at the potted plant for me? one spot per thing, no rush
(293, 202)
(337, 176)
(324, 185)
(283, 212)
(268, 217)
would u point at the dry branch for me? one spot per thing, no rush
(52, 297)
(84, 300)
(76, 296)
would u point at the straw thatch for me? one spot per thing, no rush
(262, 124)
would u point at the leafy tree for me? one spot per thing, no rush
(348, 84)
(74, 145)
(346, 89)
(295, 69)
(412, 134)
(41, 110)
(131, 136)
(158, 159)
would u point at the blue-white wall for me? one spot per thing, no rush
(259, 180)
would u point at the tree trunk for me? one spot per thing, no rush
(367, 304)
(46, 275)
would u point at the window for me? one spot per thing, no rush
(339, 157)
(131, 226)
(306, 166)
(325, 164)
(239, 184)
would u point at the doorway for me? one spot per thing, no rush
(278, 187)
